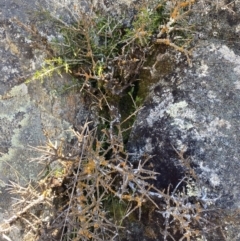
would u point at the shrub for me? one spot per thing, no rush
(104, 52)
(83, 182)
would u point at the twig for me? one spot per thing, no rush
(9, 221)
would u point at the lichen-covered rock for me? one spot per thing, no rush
(191, 112)
(194, 113)
(28, 111)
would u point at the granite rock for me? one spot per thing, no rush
(194, 112)
(28, 111)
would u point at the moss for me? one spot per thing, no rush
(153, 70)
(117, 209)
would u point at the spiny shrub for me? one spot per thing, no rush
(103, 52)
(72, 201)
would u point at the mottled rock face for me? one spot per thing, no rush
(192, 111)
(195, 112)
(28, 110)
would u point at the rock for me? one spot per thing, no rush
(190, 112)
(27, 111)
(194, 112)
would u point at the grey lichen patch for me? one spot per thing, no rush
(23, 123)
(214, 180)
(203, 69)
(51, 126)
(181, 115)
(148, 146)
(6, 128)
(210, 175)
(175, 109)
(214, 129)
(15, 99)
(56, 110)
(229, 55)
(23, 128)
(158, 111)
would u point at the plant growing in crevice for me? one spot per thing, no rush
(104, 53)
(73, 203)
(83, 182)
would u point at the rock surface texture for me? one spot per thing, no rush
(194, 113)
(27, 111)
